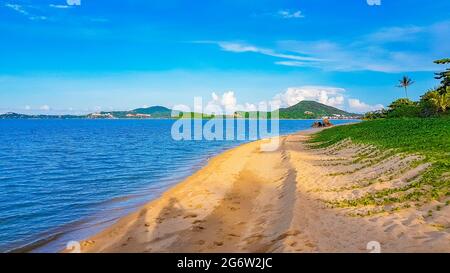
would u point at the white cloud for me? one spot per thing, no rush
(371, 52)
(240, 48)
(237, 47)
(38, 17)
(290, 14)
(395, 34)
(44, 108)
(34, 12)
(359, 57)
(293, 63)
(222, 103)
(59, 6)
(250, 107)
(74, 2)
(229, 100)
(227, 104)
(27, 107)
(355, 105)
(22, 10)
(332, 96)
(17, 7)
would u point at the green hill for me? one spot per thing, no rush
(154, 111)
(306, 110)
(302, 110)
(149, 112)
(312, 110)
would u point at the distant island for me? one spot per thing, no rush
(302, 110)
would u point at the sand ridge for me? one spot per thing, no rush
(248, 200)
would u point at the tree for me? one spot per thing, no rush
(444, 76)
(405, 82)
(400, 103)
(440, 101)
(376, 114)
(403, 108)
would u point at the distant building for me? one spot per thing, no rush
(101, 115)
(138, 116)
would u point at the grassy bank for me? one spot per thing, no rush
(429, 137)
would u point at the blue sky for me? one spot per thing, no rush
(61, 56)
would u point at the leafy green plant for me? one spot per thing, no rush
(401, 103)
(440, 101)
(376, 114)
(428, 137)
(407, 111)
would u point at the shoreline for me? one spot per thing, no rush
(41, 244)
(173, 187)
(317, 119)
(54, 239)
(248, 200)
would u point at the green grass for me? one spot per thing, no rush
(429, 137)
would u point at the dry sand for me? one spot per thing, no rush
(248, 200)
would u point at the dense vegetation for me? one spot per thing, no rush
(407, 127)
(426, 136)
(429, 137)
(435, 102)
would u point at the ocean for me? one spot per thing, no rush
(63, 180)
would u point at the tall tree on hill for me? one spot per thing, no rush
(444, 76)
(405, 82)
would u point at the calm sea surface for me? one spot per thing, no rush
(63, 180)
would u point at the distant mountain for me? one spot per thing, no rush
(312, 110)
(143, 113)
(149, 112)
(24, 116)
(302, 110)
(154, 111)
(306, 110)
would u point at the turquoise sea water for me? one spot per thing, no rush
(63, 180)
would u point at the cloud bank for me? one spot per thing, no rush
(332, 96)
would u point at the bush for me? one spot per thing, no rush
(427, 109)
(434, 102)
(407, 111)
(376, 114)
(402, 102)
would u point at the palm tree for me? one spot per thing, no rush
(405, 82)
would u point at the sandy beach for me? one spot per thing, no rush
(249, 200)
